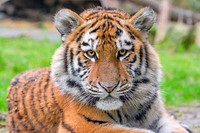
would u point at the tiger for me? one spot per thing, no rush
(103, 78)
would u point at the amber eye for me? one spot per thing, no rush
(91, 53)
(122, 52)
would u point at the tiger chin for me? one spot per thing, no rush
(103, 78)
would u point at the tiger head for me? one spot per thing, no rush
(105, 59)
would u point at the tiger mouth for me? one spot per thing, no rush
(109, 103)
(109, 98)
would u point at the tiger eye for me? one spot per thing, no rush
(122, 52)
(90, 53)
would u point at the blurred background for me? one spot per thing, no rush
(28, 40)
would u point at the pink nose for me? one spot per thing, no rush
(109, 89)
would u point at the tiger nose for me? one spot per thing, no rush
(108, 88)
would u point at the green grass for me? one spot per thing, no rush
(18, 55)
(181, 82)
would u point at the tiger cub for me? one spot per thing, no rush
(104, 78)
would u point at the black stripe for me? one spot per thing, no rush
(119, 116)
(94, 30)
(10, 96)
(78, 51)
(158, 130)
(119, 23)
(72, 62)
(126, 116)
(110, 116)
(80, 64)
(137, 71)
(79, 37)
(45, 96)
(116, 16)
(142, 81)
(119, 32)
(128, 43)
(154, 124)
(122, 98)
(40, 96)
(110, 18)
(186, 128)
(33, 108)
(66, 59)
(82, 28)
(144, 108)
(67, 127)
(15, 100)
(13, 124)
(93, 24)
(141, 56)
(91, 18)
(146, 57)
(131, 35)
(93, 100)
(84, 77)
(85, 44)
(16, 80)
(19, 116)
(23, 123)
(92, 13)
(93, 121)
(24, 91)
(54, 101)
(81, 76)
(110, 25)
(72, 83)
(134, 59)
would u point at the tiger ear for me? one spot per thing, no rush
(66, 20)
(144, 19)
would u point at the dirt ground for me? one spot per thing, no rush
(188, 115)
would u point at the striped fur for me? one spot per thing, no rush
(103, 78)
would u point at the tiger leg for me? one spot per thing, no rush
(168, 125)
(80, 125)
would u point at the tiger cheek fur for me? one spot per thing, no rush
(103, 78)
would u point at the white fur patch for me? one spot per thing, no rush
(120, 42)
(58, 72)
(109, 104)
(91, 40)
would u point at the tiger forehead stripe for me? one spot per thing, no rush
(124, 41)
(89, 41)
(90, 14)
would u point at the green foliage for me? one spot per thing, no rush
(179, 38)
(152, 34)
(181, 80)
(18, 55)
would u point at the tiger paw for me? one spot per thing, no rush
(180, 130)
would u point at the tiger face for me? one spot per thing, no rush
(104, 55)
